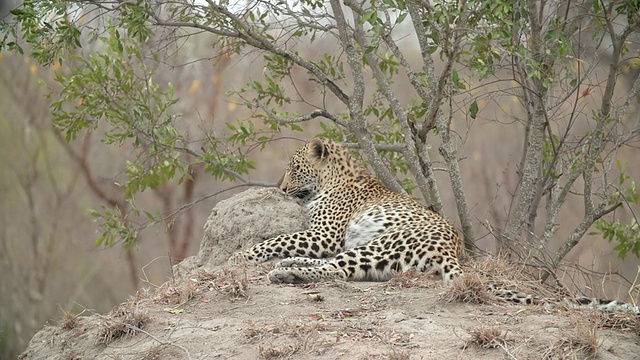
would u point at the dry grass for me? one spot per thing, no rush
(469, 288)
(489, 279)
(181, 291)
(298, 330)
(488, 337)
(69, 320)
(584, 341)
(255, 332)
(397, 354)
(498, 270)
(176, 292)
(122, 321)
(618, 321)
(278, 352)
(226, 281)
(412, 279)
(154, 353)
(304, 335)
(319, 335)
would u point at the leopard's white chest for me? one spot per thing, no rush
(364, 227)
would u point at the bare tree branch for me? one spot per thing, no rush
(312, 115)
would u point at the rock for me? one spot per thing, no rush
(243, 221)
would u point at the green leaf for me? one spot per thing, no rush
(473, 109)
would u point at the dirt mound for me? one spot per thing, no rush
(215, 311)
(242, 221)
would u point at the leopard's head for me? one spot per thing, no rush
(318, 164)
(302, 175)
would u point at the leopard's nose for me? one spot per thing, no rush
(284, 184)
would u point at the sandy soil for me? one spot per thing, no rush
(212, 311)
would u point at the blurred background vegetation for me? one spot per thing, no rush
(58, 190)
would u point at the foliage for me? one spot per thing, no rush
(626, 235)
(108, 84)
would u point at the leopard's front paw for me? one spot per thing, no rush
(284, 275)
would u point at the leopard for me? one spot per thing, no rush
(360, 230)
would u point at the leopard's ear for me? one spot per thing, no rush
(318, 151)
